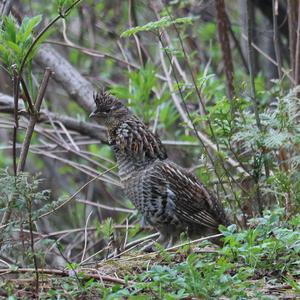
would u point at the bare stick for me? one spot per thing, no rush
(16, 125)
(85, 235)
(35, 261)
(251, 64)
(276, 38)
(62, 273)
(92, 52)
(32, 121)
(111, 208)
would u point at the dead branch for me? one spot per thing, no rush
(64, 273)
(81, 126)
(32, 121)
(80, 89)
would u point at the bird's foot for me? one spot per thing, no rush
(150, 247)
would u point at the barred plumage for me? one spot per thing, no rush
(169, 197)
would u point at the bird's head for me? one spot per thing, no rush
(109, 110)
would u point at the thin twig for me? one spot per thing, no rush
(237, 45)
(297, 52)
(134, 245)
(70, 231)
(126, 234)
(85, 235)
(135, 36)
(35, 262)
(16, 125)
(111, 208)
(83, 168)
(5, 263)
(76, 193)
(269, 58)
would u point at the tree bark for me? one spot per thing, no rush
(80, 89)
(223, 29)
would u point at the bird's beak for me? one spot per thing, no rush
(92, 115)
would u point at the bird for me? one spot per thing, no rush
(170, 198)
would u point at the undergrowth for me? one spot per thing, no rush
(267, 254)
(260, 262)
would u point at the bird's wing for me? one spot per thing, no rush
(192, 202)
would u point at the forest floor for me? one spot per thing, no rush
(262, 262)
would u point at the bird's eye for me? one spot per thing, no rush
(106, 111)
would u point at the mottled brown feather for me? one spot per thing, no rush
(169, 197)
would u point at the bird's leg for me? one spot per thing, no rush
(171, 241)
(143, 222)
(149, 247)
(162, 240)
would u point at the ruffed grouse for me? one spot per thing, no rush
(169, 197)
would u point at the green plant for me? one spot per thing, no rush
(142, 99)
(269, 250)
(16, 40)
(152, 26)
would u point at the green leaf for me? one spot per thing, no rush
(10, 29)
(27, 27)
(107, 228)
(38, 44)
(162, 23)
(16, 49)
(4, 53)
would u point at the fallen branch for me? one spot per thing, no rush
(64, 273)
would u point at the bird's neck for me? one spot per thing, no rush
(128, 165)
(135, 147)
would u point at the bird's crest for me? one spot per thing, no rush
(105, 100)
